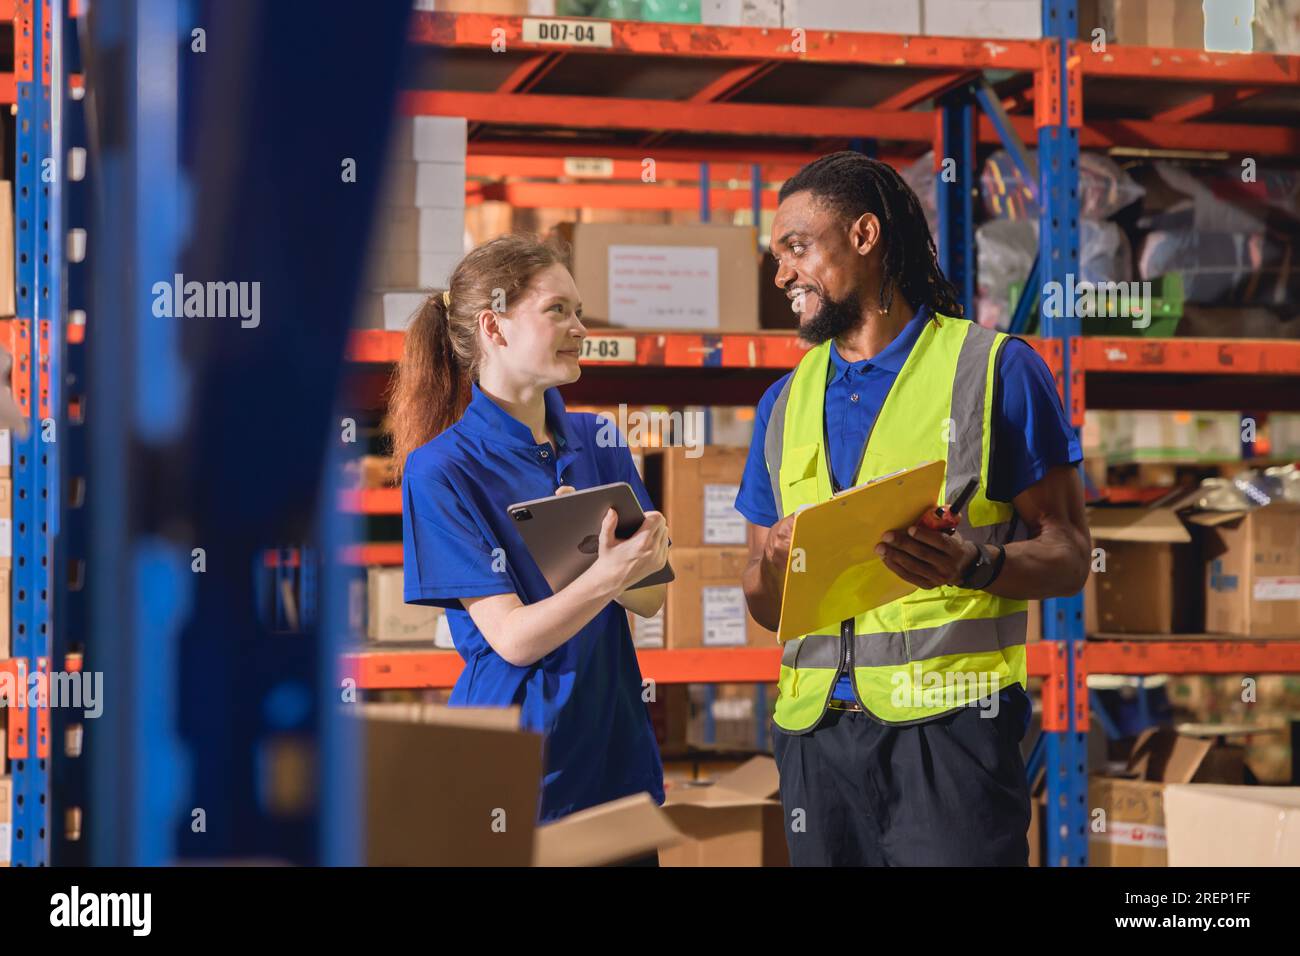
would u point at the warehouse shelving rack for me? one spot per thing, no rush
(687, 95)
(699, 99)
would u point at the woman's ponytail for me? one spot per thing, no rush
(430, 387)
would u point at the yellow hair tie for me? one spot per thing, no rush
(446, 299)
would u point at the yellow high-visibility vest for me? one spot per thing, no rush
(924, 655)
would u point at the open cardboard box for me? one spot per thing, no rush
(734, 821)
(1151, 584)
(1252, 570)
(1134, 832)
(457, 786)
(1222, 825)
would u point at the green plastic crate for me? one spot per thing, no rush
(1166, 312)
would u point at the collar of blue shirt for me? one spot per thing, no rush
(487, 418)
(892, 357)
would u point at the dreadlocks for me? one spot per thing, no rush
(853, 184)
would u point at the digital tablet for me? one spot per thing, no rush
(563, 532)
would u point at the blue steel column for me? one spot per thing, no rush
(67, 769)
(1058, 258)
(956, 239)
(35, 464)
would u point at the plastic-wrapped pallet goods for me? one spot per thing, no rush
(1104, 188)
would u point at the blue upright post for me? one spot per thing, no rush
(705, 204)
(954, 192)
(1058, 260)
(35, 458)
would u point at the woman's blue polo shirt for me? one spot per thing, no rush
(586, 695)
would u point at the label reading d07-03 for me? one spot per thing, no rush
(609, 348)
(568, 32)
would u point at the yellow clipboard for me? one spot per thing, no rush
(834, 572)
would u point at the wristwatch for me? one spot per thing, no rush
(983, 572)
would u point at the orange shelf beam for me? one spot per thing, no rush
(396, 670)
(1224, 655)
(661, 349)
(589, 195)
(1204, 356)
(371, 501)
(1144, 62)
(478, 31)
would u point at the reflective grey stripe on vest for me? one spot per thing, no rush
(891, 649)
(774, 441)
(966, 439)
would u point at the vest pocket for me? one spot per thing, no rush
(799, 467)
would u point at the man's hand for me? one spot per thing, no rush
(776, 549)
(927, 558)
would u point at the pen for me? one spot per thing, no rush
(945, 519)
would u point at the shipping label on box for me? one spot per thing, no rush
(663, 286)
(723, 524)
(724, 616)
(647, 631)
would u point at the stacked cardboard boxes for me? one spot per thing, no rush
(420, 233)
(696, 490)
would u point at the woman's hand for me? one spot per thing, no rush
(626, 562)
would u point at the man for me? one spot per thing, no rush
(898, 733)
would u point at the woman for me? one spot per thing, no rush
(478, 421)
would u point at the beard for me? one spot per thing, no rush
(832, 319)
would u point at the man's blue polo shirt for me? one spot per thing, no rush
(458, 542)
(1030, 432)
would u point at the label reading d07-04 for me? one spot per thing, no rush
(568, 32)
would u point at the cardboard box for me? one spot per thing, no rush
(6, 826)
(8, 291)
(371, 471)
(706, 604)
(392, 311)
(426, 185)
(430, 139)
(698, 495)
(390, 619)
(1134, 832)
(741, 13)
(897, 16)
(1219, 825)
(992, 19)
(454, 786)
(666, 277)
(1163, 23)
(1252, 571)
(735, 821)
(414, 230)
(6, 604)
(1152, 572)
(412, 270)
(1143, 436)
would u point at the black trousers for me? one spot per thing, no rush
(951, 792)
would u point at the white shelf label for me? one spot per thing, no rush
(589, 166)
(609, 348)
(568, 32)
(724, 617)
(723, 524)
